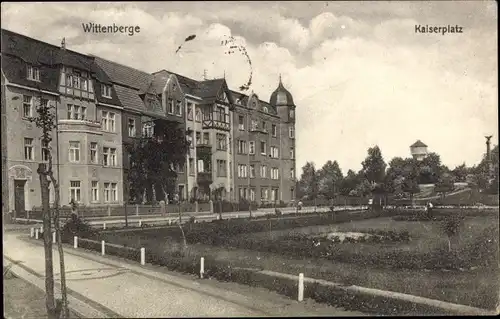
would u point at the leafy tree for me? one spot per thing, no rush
(411, 175)
(46, 121)
(451, 227)
(460, 173)
(349, 183)
(364, 188)
(374, 166)
(394, 176)
(153, 161)
(430, 169)
(445, 184)
(329, 178)
(308, 184)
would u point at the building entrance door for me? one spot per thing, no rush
(19, 196)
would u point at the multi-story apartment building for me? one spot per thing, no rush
(241, 147)
(36, 73)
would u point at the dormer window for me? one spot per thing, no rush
(292, 113)
(265, 109)
(106, 90)
(33, 73)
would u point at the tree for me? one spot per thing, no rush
(430, 169)
(308, 184)
(411, 175)
(374, 166)
(451, 227)
(460, 173)
(153, 160)
(329, 178)
(47, 122)
(445, 184)
(349, 183)
(394, 176)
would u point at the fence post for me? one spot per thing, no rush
(143, 256)
(75, 242)
(301, 287)
(36, 233)
(202, 267)
(169, 222)
(104, 226)
(103, 247)
(140, 223)
(53, 237)
(32, 232)
(196, 206)
(41, 229)
(211, 207)
(136, 209)
(109, 210)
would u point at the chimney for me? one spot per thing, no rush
(63, 44)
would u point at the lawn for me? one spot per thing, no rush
(24, 300)
(380, 266)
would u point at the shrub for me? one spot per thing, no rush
(77, 227)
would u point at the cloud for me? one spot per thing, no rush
(359, 75)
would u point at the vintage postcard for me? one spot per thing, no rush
(249, 158)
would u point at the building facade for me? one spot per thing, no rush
(241, 147)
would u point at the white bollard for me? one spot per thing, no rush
(143, 256)
(136, 210)
(103, 247)
(36, 233)
(54, 237)
(32, 232)
(140, 223)
(301, 287)
(169, 222)
(202, 267)
(75, 242)
(104, 226)
(41, 229)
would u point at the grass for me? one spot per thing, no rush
(24, 300)
(477, 288)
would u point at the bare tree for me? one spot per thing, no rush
(46, 120)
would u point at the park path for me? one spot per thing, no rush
(129, 290)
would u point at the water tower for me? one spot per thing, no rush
(419, 150)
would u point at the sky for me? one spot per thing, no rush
(359, 73)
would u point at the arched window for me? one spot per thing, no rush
(265, 109)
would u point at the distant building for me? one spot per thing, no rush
(419, 150)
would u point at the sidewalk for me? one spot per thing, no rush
(130, 290)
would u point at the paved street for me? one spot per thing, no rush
(130, 290)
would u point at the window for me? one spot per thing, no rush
(191, 166)
(242, 171)
(292, 153)
(251, 147)
(107, 192)
(84, 113)
(255, 125)
(33, 73)
(190, 111)
(131, 127)
(94, 191)
(112, 157)
(201, 166)
(292, 173)
(198, 114)
(178, 108)
(75, 191)
(252, 171)
(109, 156)
(44, 102)
(252, 194)
(263, 171)
(291, 132)
(76, 112)
(274, 130)
(221, 142)
(263, 147)
(275, 173)
(171, 108)
(242, 193)
(147, 130)
(93, 152)
(108, 121)
(264, 126)
(221, 168)
(69, 80)
(241, 122)
(28, 149)
(263, 193)
(180, 168)
(274, 152)
(27, 106)
(206, 138)
(265, 109)
(45, 151)
(190, 139)
(76, 80)
(220, 114)
(74, 152)
(106, 90)
(242, 147)
(274, 194)
(114, 192)
(85, 84)
(198, 138)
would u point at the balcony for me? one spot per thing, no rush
(203, 149)
(79, 126)
(259, 130)
(204, 178)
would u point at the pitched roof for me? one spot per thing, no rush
(418, 143)
(124, 75)
(129, 98)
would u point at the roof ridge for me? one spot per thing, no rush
(120, 64)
